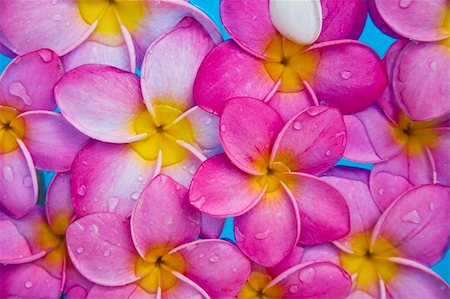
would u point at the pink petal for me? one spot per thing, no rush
(211, 227)
(163, 216)
(27, 82)
(76, 286)
(18, 182)
(342, 19)
(216, 266)
(414, 279)
(425, 65)
(314, 280)
(108, 178)
(58, 203)
(288, 104)
(184, 289)
(248, 23)
(171, 63)
(321, 253)
(184, 171)
(441, 158)
(52, 141)
(221, 189)
(292, 259)
(322, 134)
(248, 129)
(206, 131)
(379, 22)
(5, 50)
(85, 95)
(228, 72)
(418, 219)
(101, 248)
(351, 173)
(419, 20)
(56, 26)
(350, 76)
(323, 210)
(270, 230)
(129, 291)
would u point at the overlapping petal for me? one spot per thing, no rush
(211, 227)
(58, 204)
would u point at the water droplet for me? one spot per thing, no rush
(80, 250)
(27, 181)
(135, 195)
(199, 202)
(57, 18)
(307, 275)
(85, 163)
(112, 204)
(208, 121)
(293, 289)
(297, 125)
(346, 75)
(192, 170)
(169, 220)
(140, 178)
(433, 66)
(94, 229)
(381, 191)
(17, 89)
(328, 153)
(253, 17)
(412, 216)
(67, 23)
(323, 103)
(178, 187)
(263, 235)
(46, 55)
(222, 128)
(54, 2)
(432, 207)
(8, 173)
(234, 269)
(213, 258)
(81, 190)
(107, 253)
(324, 11)
(28, 284)
(405, 3)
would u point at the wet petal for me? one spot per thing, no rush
(288, 104)
(206, 131)
(76, 286)
(292, 259)
(321, 253)
(211, 227)
(129, 291)
(441, 158)
(58, 203)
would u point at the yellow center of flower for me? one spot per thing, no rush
(273, 176)
(156, 269)
(163, 130)
(290, 63)
(112, 13)
(11, 129)
(369, 262)
(53, 236)
(256, 287)
(415, 136)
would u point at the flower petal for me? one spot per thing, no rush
(323, 210)
(76, 286)
(441, 158)
(85, 95)
(52, 141)
(292, 259)
(171, 63)
(216, 266)
(270, 230)
(101, 248)
(321, 253)
(163, 216)
(206, 131)
(350, 76)
(416, 220)
(27, 82)
(185, 288)
(288, 104)
(108, 178)
(321, 131)
(424, 65)
(228, 72)
(211, 227)
(58, 203)
(248, 129)
(221, 189)
(129, 291)
(379, 22)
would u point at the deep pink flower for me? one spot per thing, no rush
(157, 252)
(406, 130)
(31, 134)
(287, 52)
(143, 132)
(115, 33)
(266, 179)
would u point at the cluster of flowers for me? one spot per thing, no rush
(148, 168)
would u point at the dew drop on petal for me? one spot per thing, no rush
(208, 120)
(293, 289)
(46, 55)
(17, 89)
(297, 125)
(112, 204)
(8, 173)
(381, 191)
(307, 275)
(107, 253)
(94, 229)
(178, 187)
(328, 153)
(85, 163)
(405, 3)
(213, 258)
(346, 75)
(80, 250)
(263, 235)
(199, 202)
(135, 195)
(222, 128)
(28, 284)
(192, 169)
(57, 18)
(81, 190)
(27, 181)
(432, 207)
(433, 66)
(413, 217)
(234, 269)
(140, 178)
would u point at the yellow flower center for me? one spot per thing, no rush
(156, 269)
(291, 64)
(11, 129)
(369, 262)
(256, 287)
(163, 130)
(273, 177)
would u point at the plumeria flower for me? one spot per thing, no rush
(34, 249)
(140, 130)
(406, 130)
(387, 254)
(267, 179)
(291, 54)
(112, 32)
(156, 254)
(418, 20)
(297, 276)
(31, 135)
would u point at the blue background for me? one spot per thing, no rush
(371, 36)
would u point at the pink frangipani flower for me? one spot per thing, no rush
(140, 130)
(287, 53)
(31, 134)
(388, 254)
(33, 249)
(157, 253)
(267, 179)
(406, 131)
(112, 32)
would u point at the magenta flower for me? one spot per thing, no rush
(33, 249)
(406, 131)
(143, 133)
(266, 179)
(286, 52)
(115, 33)
(156, 253)
(388, 254)
(30, 133)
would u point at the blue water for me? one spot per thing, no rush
(370, 36)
